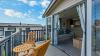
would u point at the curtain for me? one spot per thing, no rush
(56, 28)
(81, 13)
(57, 22)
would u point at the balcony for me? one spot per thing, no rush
(9, 42)
(14, 39)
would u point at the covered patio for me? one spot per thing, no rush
(70, 34)
(65, 24)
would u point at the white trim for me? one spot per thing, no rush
(89, 29)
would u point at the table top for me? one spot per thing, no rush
(23, 47)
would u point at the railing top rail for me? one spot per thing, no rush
(5, 39)
(35, 30)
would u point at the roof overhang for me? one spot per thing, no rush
(51, 5)
(58, 5)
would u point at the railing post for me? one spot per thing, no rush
(0, 51)
(25, 35)
(46, 29)
(6, 44)
(11, 44)
(36, 36)
(3, 50)
(22, 36)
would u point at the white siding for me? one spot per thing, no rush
(17, 29)
(64, 5)
(35, 28)
(23, 28)
(5, 28)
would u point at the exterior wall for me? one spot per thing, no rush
(23, 28)
(64, 5)
(1, 32)
(5, 28)
(35, 28)
(17, 29)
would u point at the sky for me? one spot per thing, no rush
(96, 9)
(24, 11)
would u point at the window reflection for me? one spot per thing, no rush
(96, 28)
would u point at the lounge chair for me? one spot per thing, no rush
(41, 49)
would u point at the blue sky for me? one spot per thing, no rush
(96, 9)
(24, 11)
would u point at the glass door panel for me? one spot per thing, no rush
(96, 28)
(49, 26)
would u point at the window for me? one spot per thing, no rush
(27, 29)
(11, 29)
(1, 31)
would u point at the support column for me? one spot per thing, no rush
(46, 28)
(89, 28)
(52, 29)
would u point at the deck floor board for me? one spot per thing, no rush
(67, 47)
(53, 51)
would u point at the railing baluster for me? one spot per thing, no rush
(11, 45)
(25, 35)
(36, 35)
(40, 35)
(0, 51)
(6, 48)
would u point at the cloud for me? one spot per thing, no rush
(13, 13)
(9, 12)
(24, 17)
(45, 3)
(24, 1)
(40, 17)
(30, 3)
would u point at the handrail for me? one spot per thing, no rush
(6, 45)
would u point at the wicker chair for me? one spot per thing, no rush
(31, 35)
(31, 38)
(41, 49)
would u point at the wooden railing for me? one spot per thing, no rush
(9, 42)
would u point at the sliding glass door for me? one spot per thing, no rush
(96, 28)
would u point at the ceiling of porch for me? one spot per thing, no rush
(70, 13)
